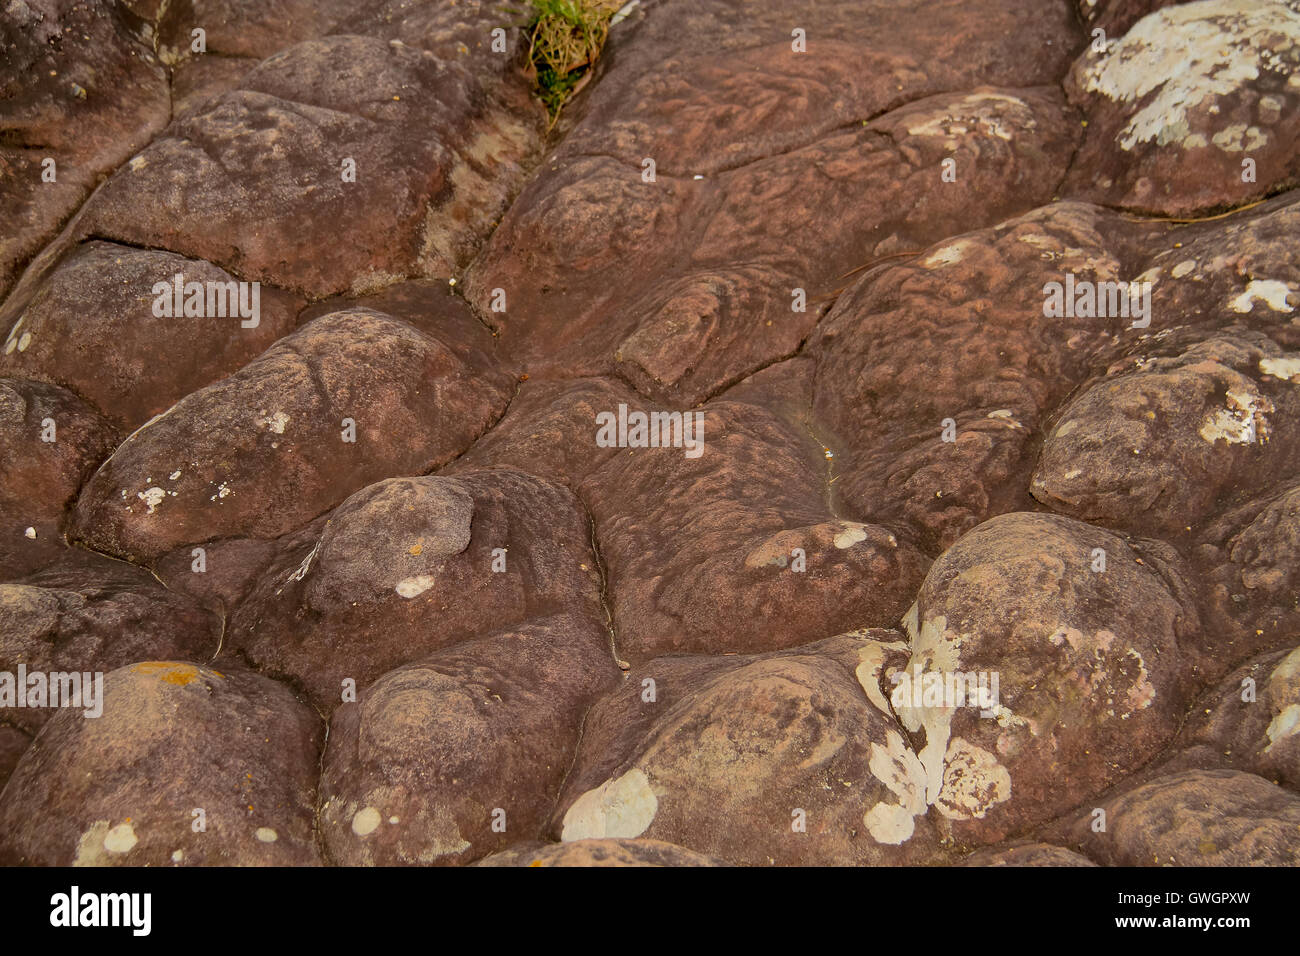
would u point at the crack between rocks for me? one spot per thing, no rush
(318, 832)
(610, 625)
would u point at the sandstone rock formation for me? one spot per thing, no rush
(859, 433)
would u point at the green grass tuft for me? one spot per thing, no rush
(565, 38)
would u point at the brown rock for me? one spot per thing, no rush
(958, 339)
(599, 853)
(1252, 597)
(728, 276)
(435, 157)
(747, 530)
(787, 758)
(1026, 854)
(93, 327)
(79, 89)
(85, 614)
(243, 28)
(1092, 681)
(39, 479)
(1116, 16)
(405, 567)
(121, 790)
(1160, 446)
(463, 753)
(264, 451)
(1177, 104)
(1197, 818)
(1251, 720)
(13, 744)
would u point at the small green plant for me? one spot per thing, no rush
(565, 38)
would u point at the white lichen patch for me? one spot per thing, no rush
(1242, 422)
(223, 490)
(1143, 692)
(897, 767)
(1286, 724)
(275, 423)
(871, 661)
(1287, 669)
(1177, 58)
(945, 256)
(102, 842)
(1183, 268)
(973, 782)
(962, 780)
(366, 821)
(1282, 684)
(851, 535)
(621, 808)
(1271, 292)
(992, 114)
(91, 850)
(414, 586)
(120, 839)
(1007, 416)
(266, 835)
(1239, 137)
(935, 647)
(11, 340)
(152, 497)
(1287, 369)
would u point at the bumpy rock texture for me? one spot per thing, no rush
(855, 433)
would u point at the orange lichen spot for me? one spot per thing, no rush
(178, 674)
(535, 863)
(415, 549)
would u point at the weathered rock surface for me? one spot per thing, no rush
(80, 92)
(410, 565)
(175, 738)
(1026, 854)
(1116, 16)
(956, 340)
(402, 156)
(84, 614)
(969, 309)
(689, 319)
(599, 853)
(265, 450)
(692, 573)
(93, 327)
(753, 530)
(1197, 818)
(1162, 446)
(50, 443)
(788, 758)
(1182, 99)
(1250, 721)
(1092, 671)
(13, 744)
(1252, 585)
(464, 752)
